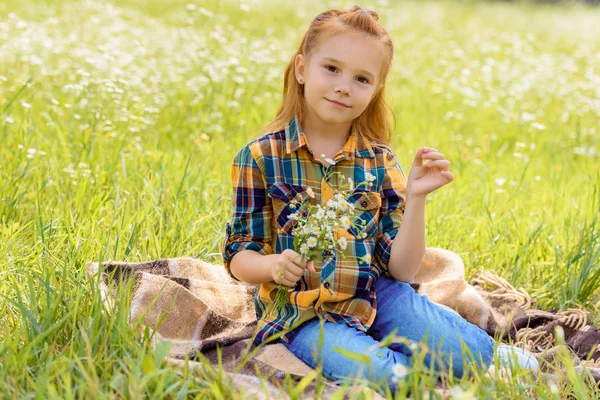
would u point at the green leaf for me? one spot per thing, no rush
(148, 364)
(353, 356)
(161, 350)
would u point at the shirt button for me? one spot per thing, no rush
(326, 284)
(364, 203)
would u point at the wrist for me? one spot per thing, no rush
(415, 197)
(272, 262)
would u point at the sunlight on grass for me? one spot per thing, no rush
(119, 123)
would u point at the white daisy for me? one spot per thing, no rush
(343, 205)
(399, 370)
(311, 242)
(316, 230)
(303, 249)
(370, 177)
(330, 214)
(343, 243)
(345, 222)
(310, 193)
(320, 214)
(367, 257)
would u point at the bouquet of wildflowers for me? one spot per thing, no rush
(315, 233)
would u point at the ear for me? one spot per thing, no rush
(299, 67)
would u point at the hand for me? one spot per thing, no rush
(289, 268)
(424, 178)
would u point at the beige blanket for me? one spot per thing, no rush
(196, 305)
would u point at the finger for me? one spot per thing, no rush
(295, 269)
(417, 162)
(434, 155)
(288, 279)
(428, 149)
(311, 266)
(444, 164)
(448, 175)
(297, 260)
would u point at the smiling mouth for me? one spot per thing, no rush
(341, 104)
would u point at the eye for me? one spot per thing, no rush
(366, 80)
(330, 66)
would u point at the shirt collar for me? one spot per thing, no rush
(354, 146)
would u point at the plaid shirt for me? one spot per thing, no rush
(266, 175)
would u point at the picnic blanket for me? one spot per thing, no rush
(202, 311)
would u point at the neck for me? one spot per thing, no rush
(317, 130)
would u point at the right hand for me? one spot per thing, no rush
(292, 265)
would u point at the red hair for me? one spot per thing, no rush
(373, 124)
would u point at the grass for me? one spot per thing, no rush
(119, 121)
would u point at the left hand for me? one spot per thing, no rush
(426, 177)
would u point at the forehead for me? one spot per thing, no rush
(353, 51)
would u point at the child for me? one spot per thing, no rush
(334, 117)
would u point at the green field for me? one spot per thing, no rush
(119, 122)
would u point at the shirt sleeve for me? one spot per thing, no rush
(393, 196)
(250, 226)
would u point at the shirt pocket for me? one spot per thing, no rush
(282, 194)
(367, 207)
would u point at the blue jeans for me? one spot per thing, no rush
(416, 318)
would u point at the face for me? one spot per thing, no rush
(344, 69)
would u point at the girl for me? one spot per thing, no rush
(334, 117)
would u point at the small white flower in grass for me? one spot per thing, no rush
(311, 242)
(458, 393)
(345, 222)
(343, 243)
(26, 105)
(538, 126)
(399, 371)
(310, 193)
(10, 120)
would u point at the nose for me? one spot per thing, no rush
(342, 87)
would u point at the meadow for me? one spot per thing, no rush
(119, 121)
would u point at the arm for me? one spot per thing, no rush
(252, 267)
(408, 247)
(246, 250)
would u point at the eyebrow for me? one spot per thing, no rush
(370, 75)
